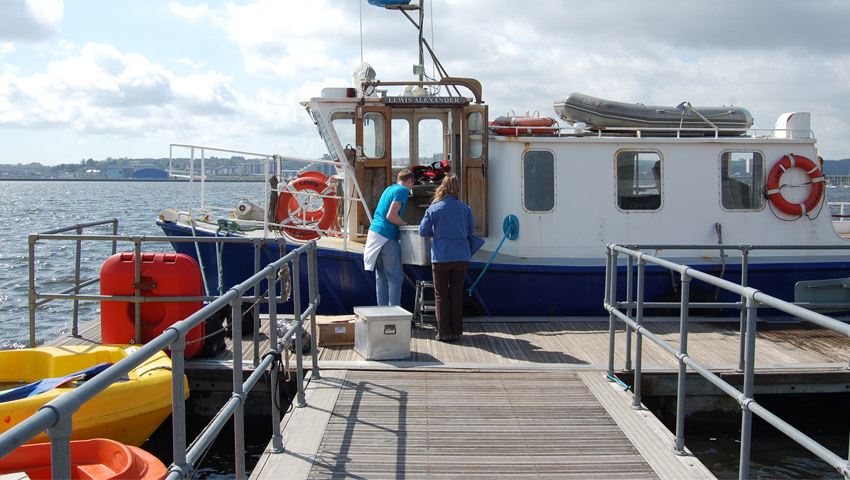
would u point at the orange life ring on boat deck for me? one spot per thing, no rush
(298, 222)
(300, 213)
(816, 179)
(513, 126)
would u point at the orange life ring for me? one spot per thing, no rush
(302, 214)
(513, 126)
(815, 175)
(299, 223)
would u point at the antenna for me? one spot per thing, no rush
(360, 4)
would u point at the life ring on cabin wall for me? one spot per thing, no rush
(516, 126)
(296, 218)
(815, 177)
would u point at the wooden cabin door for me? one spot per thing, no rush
(473, 163)
(373, 165)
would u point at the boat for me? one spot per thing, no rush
(601, 114)
(94, 459)
(651, 176)
(127, 411)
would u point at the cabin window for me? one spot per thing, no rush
(638, 180)
(430, 139)
(373, 135)
(741, 177)
(538, 181)
(343, 125)
(401, 142)
(475, 130)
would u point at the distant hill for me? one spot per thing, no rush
(836, 167)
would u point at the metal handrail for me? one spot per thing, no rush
(599, 132)
(350, 199)
(841, 216)
(752, 299)
(56, 416)
(78, 284)
(37, 299)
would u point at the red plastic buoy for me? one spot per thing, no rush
(163, 275)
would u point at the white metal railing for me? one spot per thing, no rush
(750, 300)
(840, 211)
(680, 132)
(348, 198)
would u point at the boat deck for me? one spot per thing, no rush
(513, 398)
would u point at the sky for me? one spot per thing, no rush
(121, 78)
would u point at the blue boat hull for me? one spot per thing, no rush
(505, 290)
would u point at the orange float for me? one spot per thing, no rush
(816, 179)
(516, 126)
(297, 221)
(163, 275)
(95, 459)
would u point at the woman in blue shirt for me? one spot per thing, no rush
(449, 221)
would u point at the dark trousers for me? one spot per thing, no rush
(448, 296)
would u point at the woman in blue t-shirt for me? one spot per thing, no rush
(450, 222)
(383, 251)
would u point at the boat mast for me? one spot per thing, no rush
(421, 67)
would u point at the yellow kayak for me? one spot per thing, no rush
(127, 411)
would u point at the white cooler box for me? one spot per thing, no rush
(382, 333)
(415, 250)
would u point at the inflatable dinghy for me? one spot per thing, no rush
(601, 114)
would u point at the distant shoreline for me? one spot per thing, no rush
(152, 180)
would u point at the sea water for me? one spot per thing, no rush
(28, 207)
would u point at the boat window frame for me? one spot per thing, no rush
(336, 112)
(416, 120)
(554, 180)
(660, 180)
(720, 180)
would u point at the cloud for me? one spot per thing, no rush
(193, 13)
(102, 89)
(5, 49)
(29, 20)
(785, 56)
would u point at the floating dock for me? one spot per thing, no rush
(515, 397)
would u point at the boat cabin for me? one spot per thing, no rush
(573, 189)
(373, 136)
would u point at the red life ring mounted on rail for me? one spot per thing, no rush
(816, 179)
(295, 210)
(303, 214)
(515, 126)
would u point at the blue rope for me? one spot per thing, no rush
(616, 380)
(510, 229)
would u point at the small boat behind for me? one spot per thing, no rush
(95, 459)
(601, 114)
(127, 411)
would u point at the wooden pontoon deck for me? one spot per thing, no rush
(515, 397)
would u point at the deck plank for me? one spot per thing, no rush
(582, 342)
(464, 425)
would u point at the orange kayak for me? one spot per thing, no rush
(95, 459)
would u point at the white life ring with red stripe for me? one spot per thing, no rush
(294, 209)
(816, 179)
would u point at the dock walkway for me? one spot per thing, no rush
(513, 398)
(485, 424)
